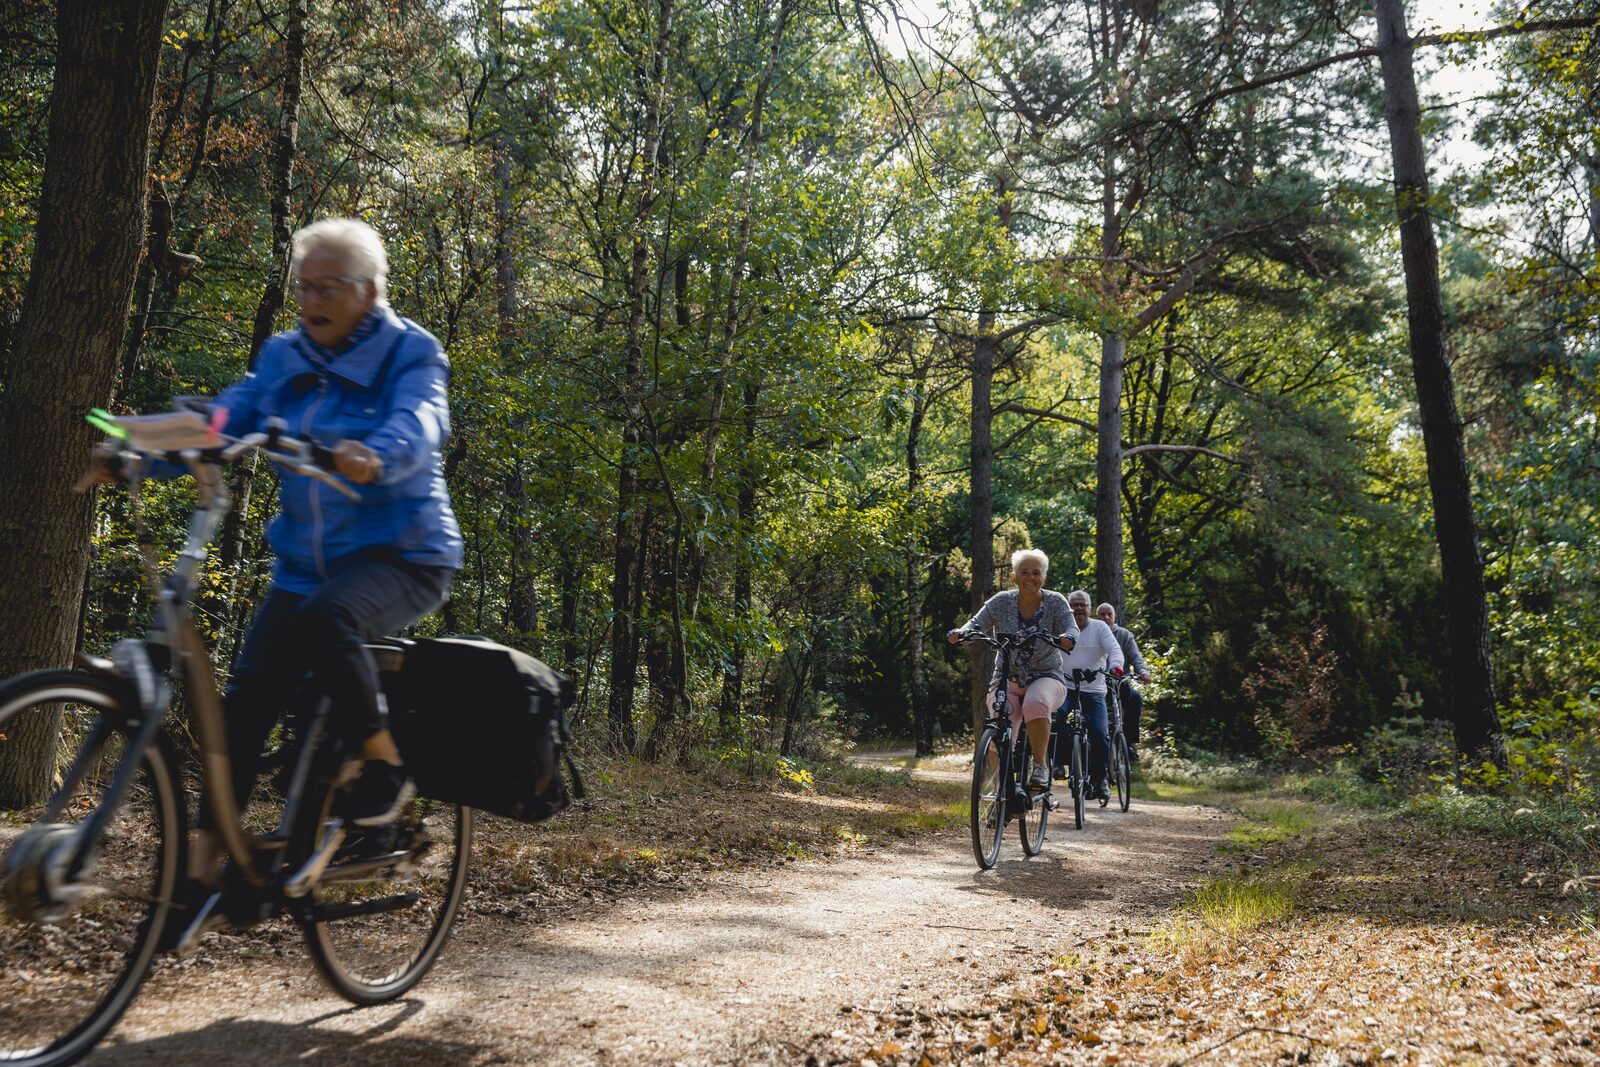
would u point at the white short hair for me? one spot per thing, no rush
(1077, 593)
(1030, 553)
(359, 244)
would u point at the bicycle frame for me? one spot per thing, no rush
(1000, 709)
(141, 667)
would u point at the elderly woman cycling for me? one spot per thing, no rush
(1037, 685)
(371, 387)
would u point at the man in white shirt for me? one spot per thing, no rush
(1096, 650)
(1133, 662)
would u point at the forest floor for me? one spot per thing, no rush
(697, 920)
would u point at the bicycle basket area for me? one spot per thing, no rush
(484, 725)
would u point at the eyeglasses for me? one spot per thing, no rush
(301, 288)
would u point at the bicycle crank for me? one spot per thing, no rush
(34, 880)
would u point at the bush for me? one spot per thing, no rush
(1407, 755)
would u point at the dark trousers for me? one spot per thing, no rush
(325, 633)
(1132, 708)
(1093, 706)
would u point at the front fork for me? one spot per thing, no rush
(42, 879)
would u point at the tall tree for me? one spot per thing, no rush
(628, 557)
(1471, 675)
(88, 244)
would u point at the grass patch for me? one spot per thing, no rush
(1228, 908)
(1269, 823)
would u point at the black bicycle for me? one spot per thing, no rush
(1074, 737)
(90, 881)
(1121, 762)
(1002, 764)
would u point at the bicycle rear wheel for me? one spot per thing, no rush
(988, 797)
(1031, 821)
(1120, 769)
(71, 960)
(383, 909)
(1078, 779)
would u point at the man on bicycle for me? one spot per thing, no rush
(1096, 650)
(1132, 699)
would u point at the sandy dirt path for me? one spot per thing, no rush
(750, 970)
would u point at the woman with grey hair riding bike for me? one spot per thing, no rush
(1037, 685)
(370, 387)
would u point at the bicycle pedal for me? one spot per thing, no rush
(210, 917)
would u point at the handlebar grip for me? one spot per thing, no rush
(323, 457)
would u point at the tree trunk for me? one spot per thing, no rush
(522, 592)
(569, 613)
(624, 595)
(285, 146)
(164, 213)
(89, 240)
(1591, 171)
(730, 321)
(921, 719)
(730, 702)
(982, 491)
(1471, 675)
(981, 506)
(1108, 582)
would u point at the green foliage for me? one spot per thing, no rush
(1281, 575)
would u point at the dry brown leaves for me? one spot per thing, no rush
(1406, 947)
(661, 827)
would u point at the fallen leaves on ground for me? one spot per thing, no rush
(1404, 946)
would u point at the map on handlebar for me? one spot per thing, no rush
(171, 431)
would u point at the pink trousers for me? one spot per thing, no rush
(1041, 698)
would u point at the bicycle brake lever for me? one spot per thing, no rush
(323, 476)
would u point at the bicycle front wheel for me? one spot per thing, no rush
(1078, 778)
(988, 797)
(1031, 821)
(384, 907)
(71, 959)
(1120, 768)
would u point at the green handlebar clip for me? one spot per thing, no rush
(102, 419)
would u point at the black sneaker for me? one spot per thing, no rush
(376, 797)
(1102, 790)
(1059, 772)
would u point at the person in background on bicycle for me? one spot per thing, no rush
(1037, 684)
(1096, 650)
(370, 386)
(1132, 699)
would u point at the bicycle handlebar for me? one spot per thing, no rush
(1016, 640)
(298, 455)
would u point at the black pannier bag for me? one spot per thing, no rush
(483, 725)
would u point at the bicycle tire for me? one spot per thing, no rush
(374, 956)
(1124, 776)
(1031, 821)
(64, 984)
(988, 812)
(1078, 779)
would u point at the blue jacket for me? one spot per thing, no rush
(388, 392)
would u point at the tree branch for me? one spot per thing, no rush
(1137, 450)
(1425, 41)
